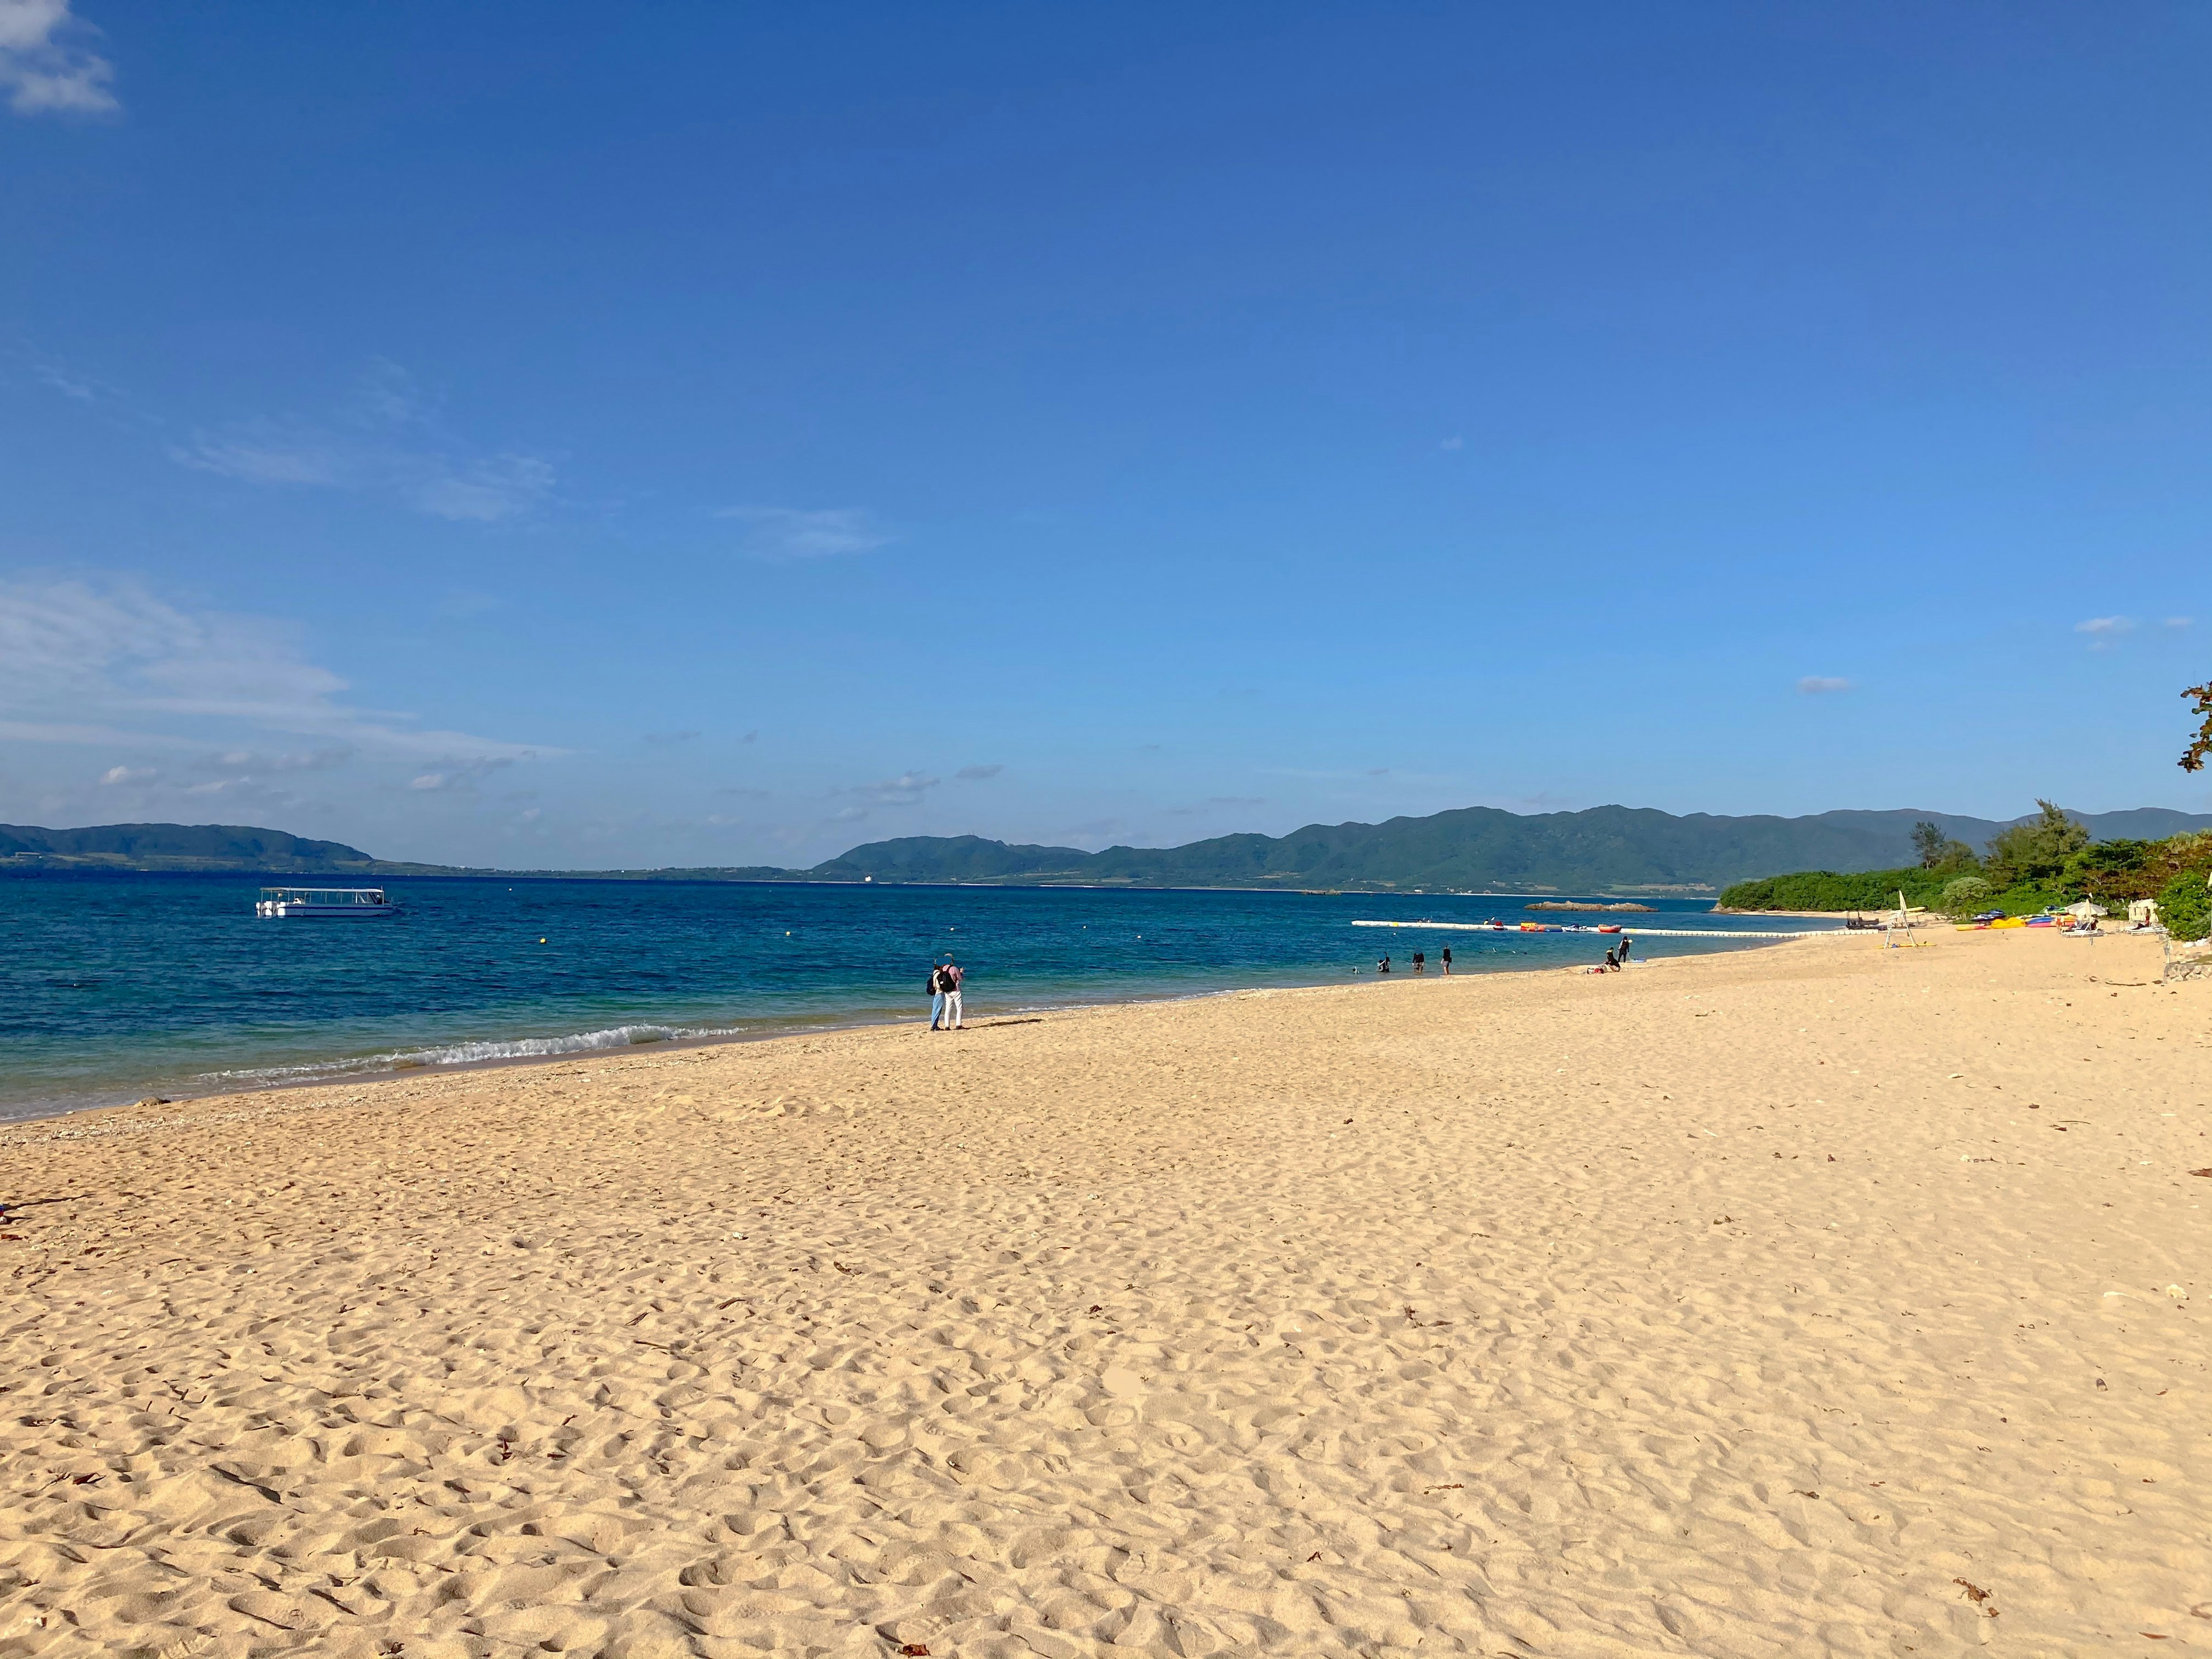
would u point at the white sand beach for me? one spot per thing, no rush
(1822, 1299)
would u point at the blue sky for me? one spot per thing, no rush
(564, 436)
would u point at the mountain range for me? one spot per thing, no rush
(1475, 849)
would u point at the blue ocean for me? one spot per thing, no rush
(116, 986)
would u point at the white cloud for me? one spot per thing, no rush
(387, 439)
(1813, 685)
(2103, 630)
(45, 75)
(260, 460)
(479, 492)
(2179, 622)
(903, 790)
(780, 533)
(245, 760)
(976, 774)
(112, 663)
(68, 385)
(118, 774)
(466, 776)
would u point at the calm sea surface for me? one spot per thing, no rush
(113, 986)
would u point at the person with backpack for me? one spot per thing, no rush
(936, 989)
(952, 975)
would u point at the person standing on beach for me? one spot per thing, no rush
(1626, 945)
(936, 996)
(952, 976)
(1447, 958)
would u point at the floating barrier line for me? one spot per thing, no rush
(1632, 931)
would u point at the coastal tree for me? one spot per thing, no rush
(2200, 698)
(2037, 850)
(1937, 851)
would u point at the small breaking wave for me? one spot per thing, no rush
(471, 1053)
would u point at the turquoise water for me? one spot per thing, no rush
(114, 986)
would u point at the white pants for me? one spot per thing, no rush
(952, 1010)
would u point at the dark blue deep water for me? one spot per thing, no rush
(113, 987)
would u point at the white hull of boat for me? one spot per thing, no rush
(325, 911)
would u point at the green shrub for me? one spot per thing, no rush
(2185, 905)
(1965, 896)
(1824, 889)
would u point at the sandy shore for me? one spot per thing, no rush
(1824, 1299)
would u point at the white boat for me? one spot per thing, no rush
(336, 903)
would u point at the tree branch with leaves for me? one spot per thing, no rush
(2192, 758)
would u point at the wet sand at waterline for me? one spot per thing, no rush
(1817, 1300)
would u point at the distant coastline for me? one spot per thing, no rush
(1626, 853)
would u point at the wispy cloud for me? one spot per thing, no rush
(92, 662)
(257, 459)
(388, 438)
(1097, 830)
(1212, 804)
(122, 775)
(671, 737)
(903, 790)
(976, 774)
(2178, 621)
(2103, 630)
(247, 760)
(57, 379)
(43, 72)
(1816, 685)
(464, 777)
(782, 533)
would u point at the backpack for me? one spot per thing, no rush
(936, 983)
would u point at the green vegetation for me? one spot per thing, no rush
(1604, 849)
(1939, 851)
(1965, 896)
(26, 848)
(1826, 890)
(2186, 904)
(2047, 860)
(2200, 746)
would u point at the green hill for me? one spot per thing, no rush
(186, 847)
(1476, 848)
(1472, 848)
